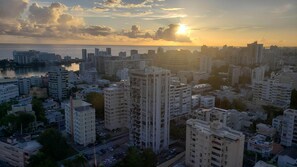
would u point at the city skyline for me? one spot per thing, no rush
(149, 22)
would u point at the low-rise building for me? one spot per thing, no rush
(17, 108)
(200, 88)
(213, 144)
(207, 101)
(8, 92)
(17, 153)
(260, 144)
(288, 158)
(265, 129)
(277, 123)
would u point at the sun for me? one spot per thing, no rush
(182, 29)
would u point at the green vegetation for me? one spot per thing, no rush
(215, 81)
(14, 123)
(136, 158)
(5, 107)
(39, 110)
(293, 104)
(54, 148)
(78, 161)
(272, 112)
(111, 78)
(97, 101)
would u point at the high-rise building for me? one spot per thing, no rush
(180, 99)
(122, 54)
(149, 113)
(234, 74)
(91, 57)
(108, 51)
(96, 52)
(24, 86)
(213, 144)
(133, 52)
(80, 122)
(57, 83)
(255, 52)
(116, 106)
(289, 128)
(272, 92)
(205, 64)
(84, 54)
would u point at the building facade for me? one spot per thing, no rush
(213, 144)
(149, 113)
(8, 92)
(57, 83)
(289, 128)
(80, 122)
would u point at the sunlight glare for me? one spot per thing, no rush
(182, 29)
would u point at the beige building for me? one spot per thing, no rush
(213, 144)
(116, 106)
(80, 122)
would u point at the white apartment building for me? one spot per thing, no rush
(80, 122)
(150, 111)
(116, 106)
(213, 144)
(207, 101)
(57, 83)
(234, 74)
(258, 74)
(24, 85)
(260, 144)
(277, 123)
(289, 128)
(196, 101)
(272, 92)
(8, 92)
(180, 99)
(17, 153)
(205, 64)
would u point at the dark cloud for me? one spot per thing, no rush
(11, 9)
(135, 32)
(169, 34)
(98, 30)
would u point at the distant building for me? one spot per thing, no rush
(122, 54)
(201, 88)
(205, 64)
(116, 106)
(180, 99)
(133, 52)
(258, 74)
(149, 114)
(277, 123)
(80, 122)
(289, 128)
(255, 53)
(8, 92)
(18, 153)
(96, 52)
(234, 74)
(32, 56)
(108, 51)
(84, 54)
(24, 86)
(57, 84)
(213, 144)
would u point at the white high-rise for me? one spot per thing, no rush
(24, 85)
(180, 99)
(116, 106)
(289, 128)
(213, 144)
(80, 122)
(57, 83)
(149, 113)
(205, 64)
(258, 74)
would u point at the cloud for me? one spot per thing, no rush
(163, 33)
(135, 32)
(128, 4)
(172, 9)
(169, 34)
(12, 9)
(98, 30)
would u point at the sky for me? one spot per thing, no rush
(149, 22)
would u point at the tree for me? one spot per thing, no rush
(238, 105)
(293, 104)
(97, 101)
(39, 110)
(40, 159)
(149, 158)
(54, 144)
